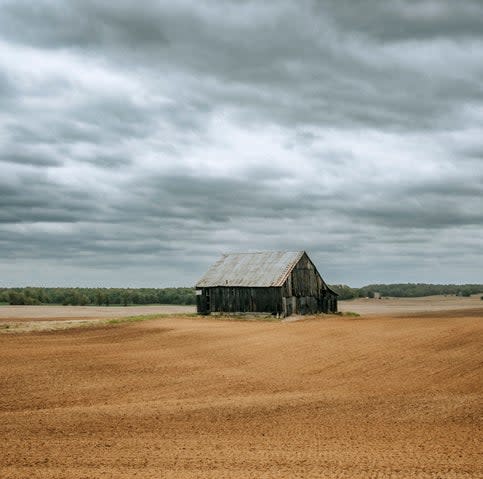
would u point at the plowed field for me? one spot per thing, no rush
(369, 397)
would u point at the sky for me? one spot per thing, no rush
(140, 140)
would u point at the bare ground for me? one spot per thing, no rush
(21, 319)
(380, 396)
(67, 313)
(386, 306)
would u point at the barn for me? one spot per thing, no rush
(276, 282)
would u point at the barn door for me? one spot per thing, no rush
(207, 296)
(203, 301)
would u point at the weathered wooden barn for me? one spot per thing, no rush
(276, 282)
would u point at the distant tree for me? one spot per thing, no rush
(16, 298)
(83, 299)
(135, 297)
(344, 291)
(125, 298)
(41, 295)
(99, 298)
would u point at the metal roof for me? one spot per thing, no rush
(263, 269)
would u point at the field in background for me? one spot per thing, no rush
(383, 395)
(365, 306)
(49, 312)
(48, 317)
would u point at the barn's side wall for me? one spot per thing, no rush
(223, 299)
(305, 292)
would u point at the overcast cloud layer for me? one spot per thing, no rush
(140, 140)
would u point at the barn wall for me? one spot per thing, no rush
(326, 302)
(239, 300)
(305, 291)
(305, 280)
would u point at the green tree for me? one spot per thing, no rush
(99, 298)
(16, 298)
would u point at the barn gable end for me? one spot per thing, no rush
(276, 282)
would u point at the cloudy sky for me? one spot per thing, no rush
(141, 139)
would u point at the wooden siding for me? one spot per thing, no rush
(240, 300)
(305, 291)
(304, 280)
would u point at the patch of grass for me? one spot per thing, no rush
(55, 326)
(348, 313)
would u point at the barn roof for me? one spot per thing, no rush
(263, 269)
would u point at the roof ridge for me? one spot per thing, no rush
(265, 251)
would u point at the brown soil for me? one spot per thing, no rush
(370, 397)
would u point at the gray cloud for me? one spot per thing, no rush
(81, 24)
(140, 140)
(33, 158)
(397, 20)
(7, 89)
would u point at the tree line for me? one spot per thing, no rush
(186, 296)
(407, 290)
(98, 296)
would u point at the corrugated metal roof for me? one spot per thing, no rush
(263, 269)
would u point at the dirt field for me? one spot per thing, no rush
(67, 313)
(369, 397)
(388, 306)
(21, 319)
